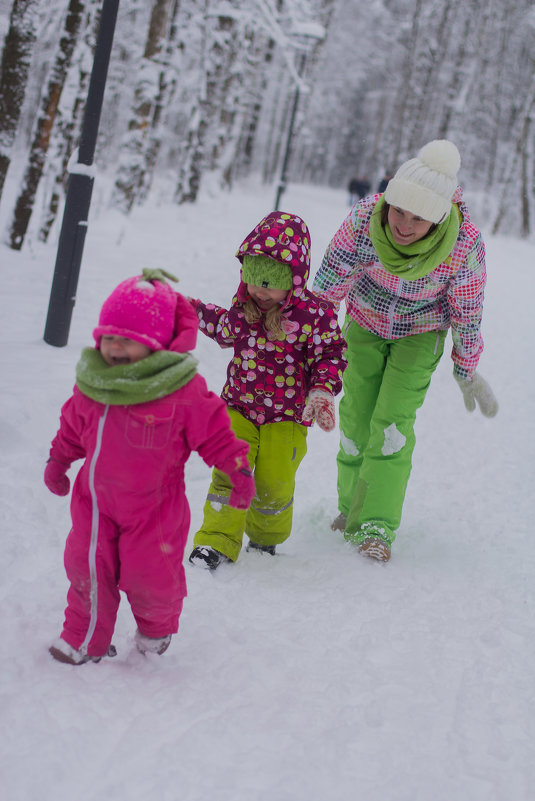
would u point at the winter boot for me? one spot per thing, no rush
(151, 645)
(204, 556)
(254, 546)
(64, 652)
(375, 548)
(339, 523)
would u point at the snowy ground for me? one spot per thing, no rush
(313, 675)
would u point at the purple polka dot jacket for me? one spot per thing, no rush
(268, 379)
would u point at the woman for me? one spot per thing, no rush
(410, 265)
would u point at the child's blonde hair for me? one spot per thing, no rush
(272, 318)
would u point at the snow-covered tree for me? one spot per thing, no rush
(209, 89)
(14, 69)
(44, 125)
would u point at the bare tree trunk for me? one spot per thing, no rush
(60, 156)
(133, 163)
(16, 59)
(406, 81)
(69, 126)
(45, 123)
(191, 166)
(436, 52)
(527, 178)
(166, 90)
(520, 175)
(502, 36)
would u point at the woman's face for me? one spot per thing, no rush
(120, 350)
(406, 227)
(264, 298)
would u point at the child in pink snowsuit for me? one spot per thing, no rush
(137, 411)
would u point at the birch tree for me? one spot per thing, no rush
(68, 124)
(519, 176)
(43, 129)
(223, 39)
(135, 162)
(14, 69)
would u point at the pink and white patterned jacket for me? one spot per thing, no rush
(391, 307)
(268, 380)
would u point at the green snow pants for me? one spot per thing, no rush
(275, 453)
(385, 382)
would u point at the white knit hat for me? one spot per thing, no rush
(425, 185)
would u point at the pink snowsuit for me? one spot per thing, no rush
(130, 514)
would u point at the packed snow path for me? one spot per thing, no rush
(312, 675)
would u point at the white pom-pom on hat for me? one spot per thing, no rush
(441, 155)
(426, 184)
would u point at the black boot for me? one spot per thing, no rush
(204, 556)
(254, 546)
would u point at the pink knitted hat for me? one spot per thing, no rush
(141, 308)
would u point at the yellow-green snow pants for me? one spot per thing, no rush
(385, 383)
(275, 453)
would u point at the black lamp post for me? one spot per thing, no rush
(288, 147)
(79, 190)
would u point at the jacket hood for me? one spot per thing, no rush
(285, 238)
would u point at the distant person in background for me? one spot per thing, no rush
(409, 265)
(358, 188)
(383, 183)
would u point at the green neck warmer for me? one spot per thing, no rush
(156, 376)
(420, 258)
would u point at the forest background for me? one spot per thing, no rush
(208, 90)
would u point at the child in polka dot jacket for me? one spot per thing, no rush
(286, 370)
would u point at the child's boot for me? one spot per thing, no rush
(63, 652)
(375, 548)
(339, 523)
(151, 645)
(254, 546)
(204, 556)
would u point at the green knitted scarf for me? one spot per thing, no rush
(156, 376)
(420, 258)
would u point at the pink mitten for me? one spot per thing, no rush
(55, 478)
(193, 302)
(243, 486)
(186, 324)
(320, 405)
